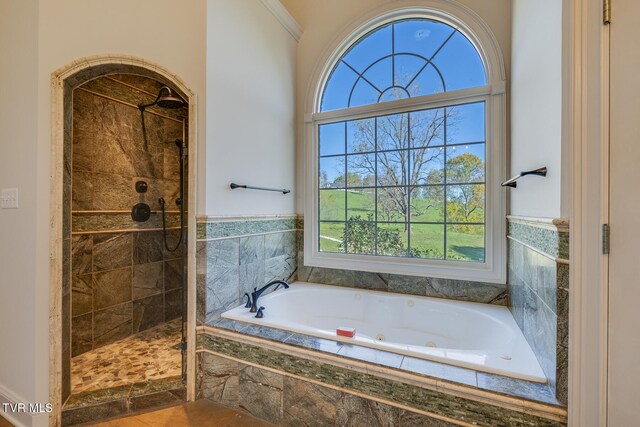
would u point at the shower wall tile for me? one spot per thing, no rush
(111, 192)
(82, 193)
(98, 221)
(111, 250)
(148, 247)
(172, 305)
(81, 334)
(112, 324)
(148, 312)
(148, 279)
(81, 254)
(173, 237)
(82, 294)
(172, 274)
(112, 287)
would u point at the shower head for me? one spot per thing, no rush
(168, 101)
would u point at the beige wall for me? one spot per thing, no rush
(38, 38)
(250, 72)
(21, 332)
(250, 109)
(323, 21)
(538, 86)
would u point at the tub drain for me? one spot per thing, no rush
(505, 357)
(380, 337)
(432, 344)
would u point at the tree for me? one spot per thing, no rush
(360, 238)
(466, 202)
(399, 169)
(324, 180)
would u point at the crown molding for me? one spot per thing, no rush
(284, 17)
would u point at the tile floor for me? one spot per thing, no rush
(5, 423)
(202, 413)
(149, 355)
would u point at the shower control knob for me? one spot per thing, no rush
(141, 187)
(140, 212)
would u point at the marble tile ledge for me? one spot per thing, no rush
(483, 387)
(459, 404)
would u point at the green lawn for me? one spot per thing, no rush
(429, 239)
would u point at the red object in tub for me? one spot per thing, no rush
(343, 331)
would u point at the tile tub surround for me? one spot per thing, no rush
(294, 384)
(539, 292)
(236, 255)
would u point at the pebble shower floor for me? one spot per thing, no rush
(150, 355)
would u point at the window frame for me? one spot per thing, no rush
(493, 94)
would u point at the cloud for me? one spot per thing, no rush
(422, 34)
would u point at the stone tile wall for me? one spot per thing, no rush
(122, 283)
(291, 391)
(234, 257)
(122, 278)
(539, 294)
(287, 401)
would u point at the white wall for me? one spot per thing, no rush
(250, 114)
(537, 91)
(18, 150)
(323, 21)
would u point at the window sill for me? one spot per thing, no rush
(454, 270)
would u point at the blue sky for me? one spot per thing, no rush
(457, 61)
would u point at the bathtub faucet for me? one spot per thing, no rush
(257, 292)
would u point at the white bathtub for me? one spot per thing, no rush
(471, 335)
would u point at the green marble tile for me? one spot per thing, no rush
(98, 221)
(155, 386)
(214, 230)
(89, 398)
(428, 400)
(551, 242)
(96, 412)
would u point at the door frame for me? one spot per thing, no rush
(61, 80)
(589, 148)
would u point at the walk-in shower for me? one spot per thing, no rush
(127, 147)
(167, 100)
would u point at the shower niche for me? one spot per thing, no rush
(128, 167)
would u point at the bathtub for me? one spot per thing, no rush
(471, 335)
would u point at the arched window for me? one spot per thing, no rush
(404, 134)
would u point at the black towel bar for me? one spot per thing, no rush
(512, 182)
(233, 186)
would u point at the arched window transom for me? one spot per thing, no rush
(403, 59)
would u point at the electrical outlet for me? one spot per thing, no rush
(9, 198)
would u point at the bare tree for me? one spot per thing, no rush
(405, 155)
